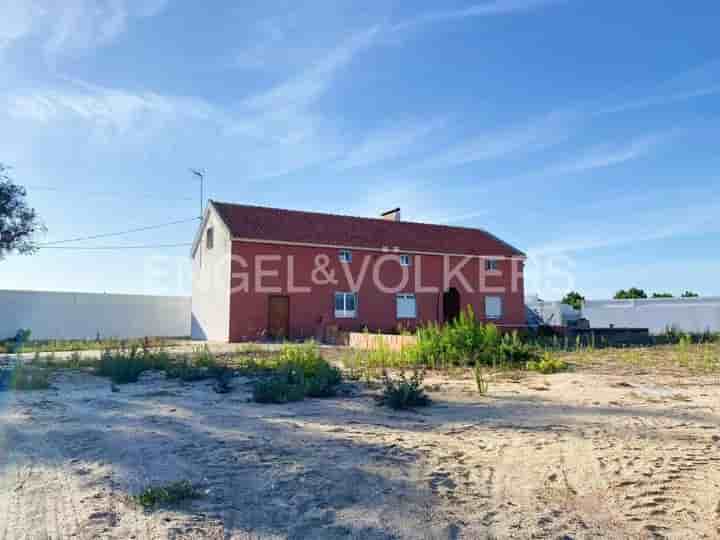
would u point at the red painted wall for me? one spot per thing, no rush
(311, 311)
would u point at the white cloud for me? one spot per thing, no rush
(646, 227)
(71, 25)
(388, 143)
(609, 155)
(303, 89)
(486, 9)
(119, 110)
(536, 134)
(695, 83)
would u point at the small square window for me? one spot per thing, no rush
(491, 265)
(406, 306)
(493, 307)
(345, 305)
(210, 238)
(345, 255)
(405, 260)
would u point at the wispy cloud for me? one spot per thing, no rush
(606, 155)
(536, 134)
(669, 223)
(695, 83)
(389, 143)
(486, 9)
(71, 25)
(306, 87)
(119, 110)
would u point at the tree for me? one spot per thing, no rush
(662, 295)
(574, 299)
(690, 294)
(18, 222)
(632, 292)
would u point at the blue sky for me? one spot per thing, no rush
(584, 133)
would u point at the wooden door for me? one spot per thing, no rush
(279, 317)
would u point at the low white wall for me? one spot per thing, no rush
(655, 314)
(66, 315)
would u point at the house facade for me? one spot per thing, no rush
(271, 273)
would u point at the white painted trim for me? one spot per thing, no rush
(395, 249)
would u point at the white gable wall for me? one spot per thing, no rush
(211, 282)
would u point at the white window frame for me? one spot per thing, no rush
(494, 316)
(405, 297)
(491, 265)
(345, 256)
(345, 313)
(210, 238)
(405, 260)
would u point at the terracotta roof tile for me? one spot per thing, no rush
(262, 223)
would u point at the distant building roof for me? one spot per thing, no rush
(262, 223)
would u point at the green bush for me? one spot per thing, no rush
(324, 382)
(125, 367)
(172, 493)
(298, 371)
(24, 378)
(404, 392)
(547, 364)
(466, 341)
(287, 385)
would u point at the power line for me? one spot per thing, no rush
(93, 248)
(118, 233)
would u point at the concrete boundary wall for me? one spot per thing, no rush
(68, 315)
(656, 314)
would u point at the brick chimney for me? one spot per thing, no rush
(391, 215)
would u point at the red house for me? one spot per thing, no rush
(264, 272)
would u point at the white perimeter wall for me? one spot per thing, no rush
(686, 314)
(66, 315)
(211, 282)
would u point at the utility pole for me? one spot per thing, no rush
(200, 173)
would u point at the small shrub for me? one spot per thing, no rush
(169, 494)
(203, 357)
(288, 384)
(324, 382)
(122, 368)
(223, 376)
(187, 373)
(547, 364)
(24, 378)
(404, 393)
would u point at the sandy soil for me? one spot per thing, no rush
(590, 454)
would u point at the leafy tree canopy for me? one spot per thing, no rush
(574, 299)
(690, 294)
(632, 292)
(18, 222)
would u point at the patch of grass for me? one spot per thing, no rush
(24, 378)
(60, 345)
(404, 392)
(547, 364)
(169, 494)
(121, 368)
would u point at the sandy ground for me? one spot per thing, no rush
(590, 454)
